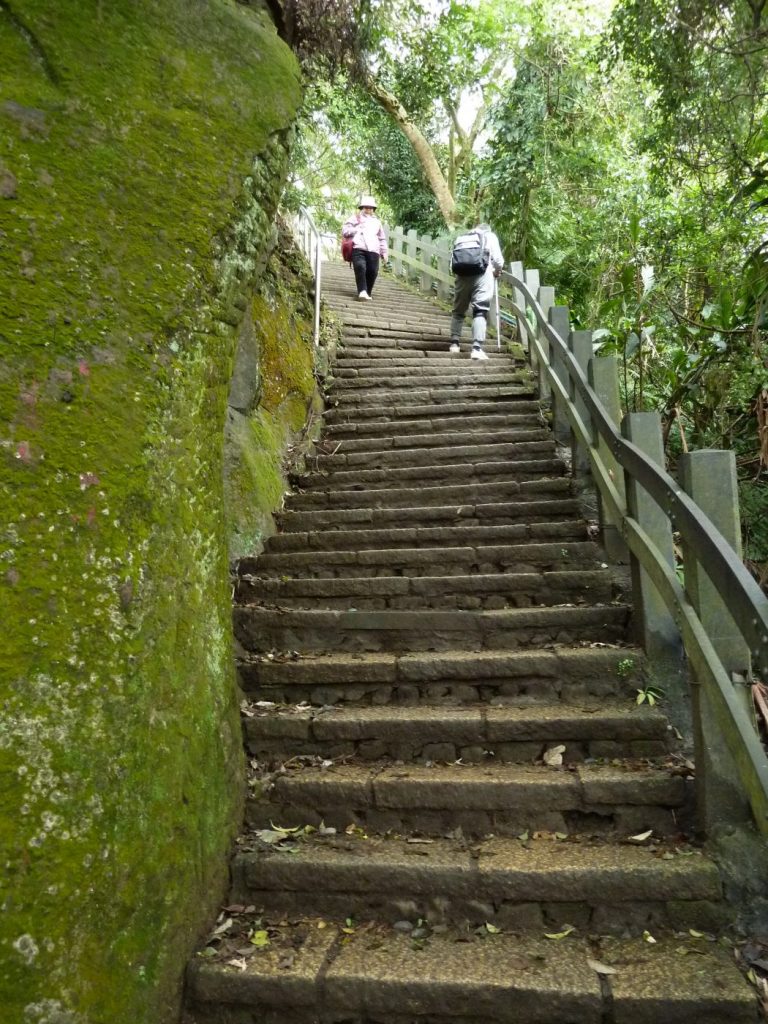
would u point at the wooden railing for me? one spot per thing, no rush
(703, 608)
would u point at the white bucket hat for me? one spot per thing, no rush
(366, 201)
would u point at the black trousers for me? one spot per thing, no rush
(366, 267)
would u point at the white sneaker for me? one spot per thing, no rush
(454, 349)
(364, 297)
(477, 353)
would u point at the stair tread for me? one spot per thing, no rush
(469, 979)
(560, 870)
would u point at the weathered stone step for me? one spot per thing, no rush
(498, 590)
(572, 675)
(419, 471)
(363, 976)
(481, 800)
(437, 561)
(473, 733)
(357, 357)
(532, 886)
(306, 630)
(457, 494)
(426, 449)
(378, 435)
(472, 377)
(450, 368)
(543, 513)
(416, 537)
(458, 412)
(422, 395)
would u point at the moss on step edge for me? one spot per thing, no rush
(142, 150)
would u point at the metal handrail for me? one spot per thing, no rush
(308, 239)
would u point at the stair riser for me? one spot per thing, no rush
(420, 475)
(477, 749)
(362, 436)
(518, 818)
(449, 409)
(422, 395)
(469, 592)
(258, 634)
(516, 692)
(547, 518)
(457, 494)
(452, 537)
(467, 903)
(425, 449)
(478, 378)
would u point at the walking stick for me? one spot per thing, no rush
(498, 314)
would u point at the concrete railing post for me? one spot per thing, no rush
(654, 626)
(516, 270)
(560, 320)
(533, 280)
(396, 249)
(426, 257)
(580, 345)
(604, 378)
(546, 301)
(444, 290)
(709, 477)
(411, 247)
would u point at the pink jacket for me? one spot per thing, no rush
(367, 233)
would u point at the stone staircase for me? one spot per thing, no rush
(457, 813)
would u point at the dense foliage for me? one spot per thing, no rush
(622, 148)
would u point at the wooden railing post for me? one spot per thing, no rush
(655, 628)
(604, 378)
(396, 249)
(580, 344)
(709, 477)
(560, 320)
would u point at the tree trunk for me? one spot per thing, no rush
(421, 147)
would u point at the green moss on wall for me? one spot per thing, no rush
(142, 150)
(266, 436)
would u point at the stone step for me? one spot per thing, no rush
(437, 561)
(451, 366)
(416, 469)
(480, 800)
(571, 675)
(460, 411)
(421, 395)
(356, 357)
(307, 630)
(531, 886)
(473, 733)
(497, 590)
(553, 517)
(313, 975)
(421, 449)
(456, 494)
(365, 435)
(416, 537)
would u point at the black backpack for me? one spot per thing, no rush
(469, 257)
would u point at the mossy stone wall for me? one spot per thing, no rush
(143, 146)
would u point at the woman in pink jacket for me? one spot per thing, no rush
(369, 245)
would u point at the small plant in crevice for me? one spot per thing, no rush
(625, 668)
(649, 695)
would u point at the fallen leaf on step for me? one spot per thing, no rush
(641, 836)
(260, 939)
(239, 964)
(648, 937)
(601, 968)
(416, 839)
(554, 756)
(567, 929)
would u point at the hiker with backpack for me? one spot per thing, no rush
(476, 261)
(365, 232)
